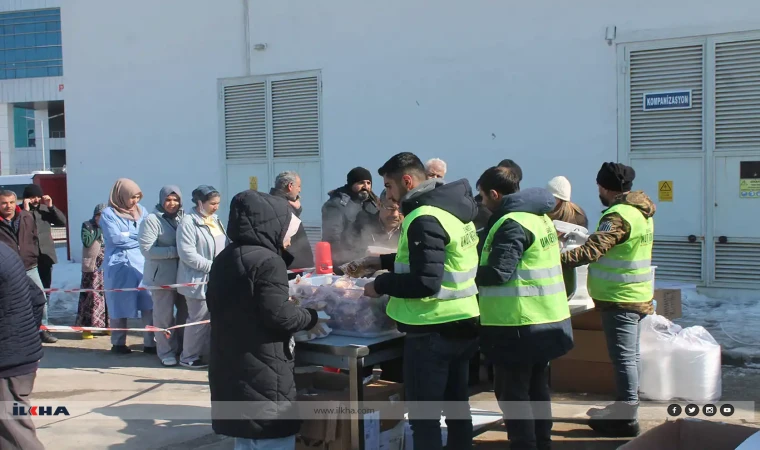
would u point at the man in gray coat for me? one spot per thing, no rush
(158, 243)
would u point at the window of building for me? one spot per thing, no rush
(30, 44)
(23, 127)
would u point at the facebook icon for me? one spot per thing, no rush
(674, 410)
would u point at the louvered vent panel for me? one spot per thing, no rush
(737, 263)
(295, 117)
(245, 126)
(737, 95)
(314, 234)
(666, 70)
(677, 260)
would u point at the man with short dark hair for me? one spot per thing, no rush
(621, 282)
(511, 165)
(349, 208)
(21, 305)
(432, 297)
(524, 315)
(298, 255)
(45, 216)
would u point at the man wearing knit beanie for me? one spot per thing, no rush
(349, 209)
(46, 216)
(621, 282)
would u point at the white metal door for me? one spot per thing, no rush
(666, 148)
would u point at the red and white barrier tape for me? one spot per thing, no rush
(152, 288)
(152, 329)
(141, 288)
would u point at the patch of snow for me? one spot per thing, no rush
(66, 275)
(733, 321)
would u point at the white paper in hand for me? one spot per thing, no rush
(295, 222)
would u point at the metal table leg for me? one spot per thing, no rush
(356, 396)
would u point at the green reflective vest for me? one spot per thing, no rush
(457, 298)
(536, 292)
(625, 274)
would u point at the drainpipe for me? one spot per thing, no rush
(247, 33)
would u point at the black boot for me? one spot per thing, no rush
(47, 337)
(616, 420)
(121, 349)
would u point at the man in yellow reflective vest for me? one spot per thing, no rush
(621, 282)
(524, 314)
(432, 297)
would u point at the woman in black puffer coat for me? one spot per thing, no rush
(251, 364)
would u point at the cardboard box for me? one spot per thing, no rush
(691, 434)
(573, 375)
(589, 320)
(331, 433)
(587, 367)
(589, 346)
(668, 303)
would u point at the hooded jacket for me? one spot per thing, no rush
(426, 259)
(158, 242)
(343, 216)
(253, 322)
(21, 235)
(300, 248)
(528, 344)
(21, 305)
(612, 230)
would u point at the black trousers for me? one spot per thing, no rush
(523, 394)
(45, 268)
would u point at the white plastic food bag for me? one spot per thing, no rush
(678, 363)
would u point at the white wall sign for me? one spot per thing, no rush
(658, 101)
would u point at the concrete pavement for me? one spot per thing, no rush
(110, 397)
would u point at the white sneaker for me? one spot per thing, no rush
(169, 362)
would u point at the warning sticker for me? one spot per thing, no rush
(253, 183)
(749, 179)
(665, 191)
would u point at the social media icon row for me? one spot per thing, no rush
(692, 410)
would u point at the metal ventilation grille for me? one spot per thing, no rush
(677, 260)
(314, 233)
(737, 263)
(295, 118)
(245, 125)
(664, 70)
(737, 95)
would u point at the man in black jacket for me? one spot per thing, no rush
(251, 365)
(349, 208)
(432, 291)
(287, 185)
(523, 327)
(21, 305)
(45, 216)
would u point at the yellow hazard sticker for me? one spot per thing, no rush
(665, 191)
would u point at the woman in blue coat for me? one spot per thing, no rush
(123, 267)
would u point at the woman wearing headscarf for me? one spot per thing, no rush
(200, 237)
(158, 244)
(120, 222)
(92, 311)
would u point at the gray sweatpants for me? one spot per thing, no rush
(120, 337)
(196, 340)
(164, 303)
(17, 432)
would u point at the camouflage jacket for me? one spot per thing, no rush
(612, 231)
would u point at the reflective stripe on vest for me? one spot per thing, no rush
(625, 273)
(457, 297)
(535, 294)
